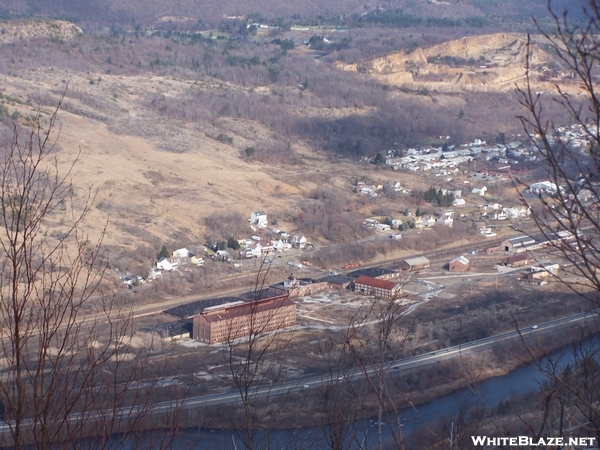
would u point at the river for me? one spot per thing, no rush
(488, 393)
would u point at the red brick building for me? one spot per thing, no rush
(519, 260)
(460, 264)
(377, 288)
(235, 320)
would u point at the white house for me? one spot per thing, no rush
(299, 241)
(447, 218)
(255, 251)
(368, 190)
(479, 191)
(153, 274)
(497, 214)
(259, 218)
(267, 250)
(164, 264)
(223, 255)
(512, 213)
(428, 221)
(181, 253)
(459, 202)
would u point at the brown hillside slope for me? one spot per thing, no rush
(490, 63)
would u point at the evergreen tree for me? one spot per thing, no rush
(164, 252)
(233, 244)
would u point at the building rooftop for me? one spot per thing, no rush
(519, 257)
(263, 294)
(337, 279)
(416, 261)
(248, 308)
(461, 259)
(166, 330)
(375, 282)
(522, 240)
(296, 283)
(373, 272)
(189, 310)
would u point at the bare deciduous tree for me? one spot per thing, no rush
(571, 155)
(375, 336)
(255, 349)
(67, 370)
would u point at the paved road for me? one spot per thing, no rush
(314, 382)
(394, 367)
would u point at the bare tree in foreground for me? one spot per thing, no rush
(374, 338)
(67, 371)
(573, 163)
(255, 349)
(571, 208)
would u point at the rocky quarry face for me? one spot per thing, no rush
(489, 63)
(12, 32)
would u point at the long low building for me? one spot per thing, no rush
(519, 260)
(375, 272)
(415, 263)
(224, 323)
(527, 243)
(376, 287)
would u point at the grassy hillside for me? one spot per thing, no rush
(177, 127)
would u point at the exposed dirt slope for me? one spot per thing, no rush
(492, 63)
(19, 30)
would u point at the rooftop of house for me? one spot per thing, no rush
(461, 259)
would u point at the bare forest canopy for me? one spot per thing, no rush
(181, 14)
(252, 100)
(292, 92)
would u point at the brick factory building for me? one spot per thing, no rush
(377, 288)
(236, 320)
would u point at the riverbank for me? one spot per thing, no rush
(357, 400)
(486, 407)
